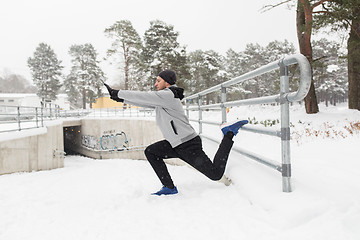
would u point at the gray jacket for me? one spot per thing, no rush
(170, 116)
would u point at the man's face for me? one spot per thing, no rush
(160, 83)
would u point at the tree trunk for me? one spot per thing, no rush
(84, 98)
(326, 99)
(127, 63)
(304, 28)
(354, 62)
(126, 67)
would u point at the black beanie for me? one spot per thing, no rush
(169, 76)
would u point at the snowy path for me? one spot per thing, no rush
(109, 199)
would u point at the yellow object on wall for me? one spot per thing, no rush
(106, 102)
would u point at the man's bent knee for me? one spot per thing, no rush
(216, 177)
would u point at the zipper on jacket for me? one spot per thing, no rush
(173, 127)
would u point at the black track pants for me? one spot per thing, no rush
(192, 153)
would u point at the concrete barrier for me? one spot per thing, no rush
(32, 150)
(112, 138)
(43, 148)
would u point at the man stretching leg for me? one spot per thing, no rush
(181, 140)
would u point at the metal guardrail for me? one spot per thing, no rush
(283, 98)
(17, 118)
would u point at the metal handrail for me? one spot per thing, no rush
(17, 118)
(33, 117)
(305, 80)
(283, 98)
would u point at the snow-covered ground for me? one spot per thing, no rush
(110, 199)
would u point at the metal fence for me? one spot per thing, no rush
(17, 118)
(283, 98)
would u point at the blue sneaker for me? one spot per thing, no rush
(166, 191)
(233, 127)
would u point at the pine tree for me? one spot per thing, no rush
(207, 70)
(126, 45)
(86, 76)
(233, 63)
(329, 71)
(274, 51)
(235, 67)
(162, 51)
(46, 72)
(253, 57)
(345, 14)
(72, 90)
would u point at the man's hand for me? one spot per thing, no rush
(113, 94)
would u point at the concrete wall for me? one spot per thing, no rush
(41, 150)
(116, 138)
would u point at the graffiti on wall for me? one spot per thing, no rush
(89, 141)
(112, 141)
(117, 142)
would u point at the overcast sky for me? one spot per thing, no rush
(202, 24)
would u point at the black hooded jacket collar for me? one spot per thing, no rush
(178, 92)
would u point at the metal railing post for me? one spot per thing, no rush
(285, 128)
(50, 112)
(223, 108)
(42, 116)
(18, 118)
(36, 117)
(200, 114)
